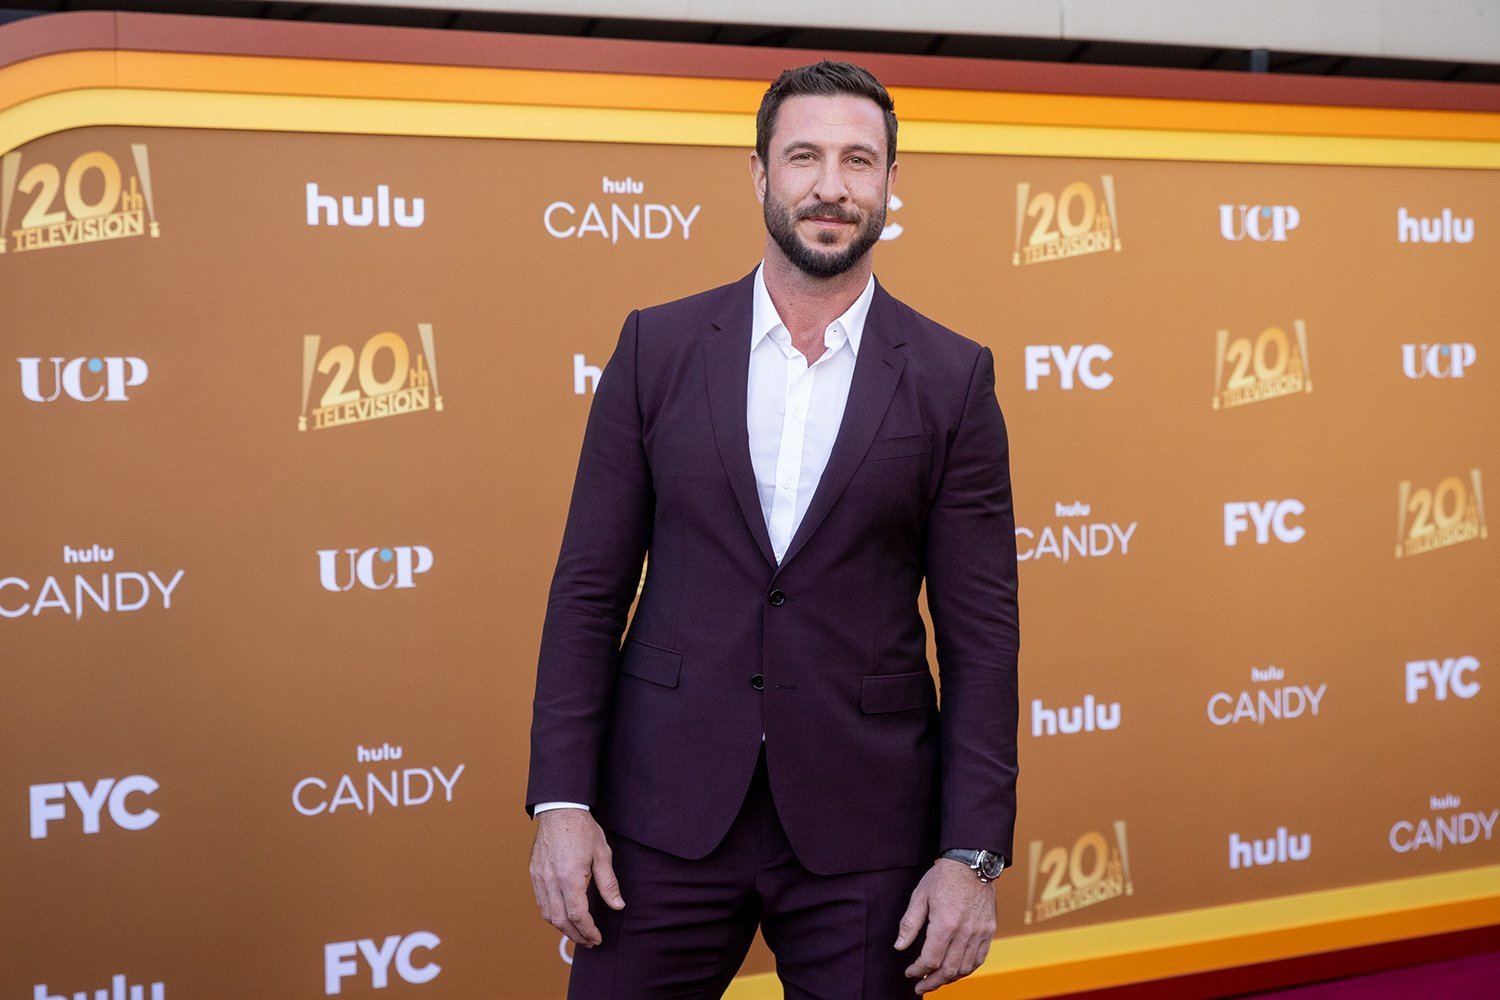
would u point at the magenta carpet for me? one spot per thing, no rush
(1476, 977)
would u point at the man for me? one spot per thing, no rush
(797, 451)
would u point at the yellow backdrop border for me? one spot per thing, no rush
(1050, 963)
(55, 112)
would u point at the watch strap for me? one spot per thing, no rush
(987, 865)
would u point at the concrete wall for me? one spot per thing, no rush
(1451, 30)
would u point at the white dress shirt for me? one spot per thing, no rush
(793, 411)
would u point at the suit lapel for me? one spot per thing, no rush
(727, 359)
(877, 369)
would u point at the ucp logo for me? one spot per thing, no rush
(110, 378)
(1437, 360)
(1260, 223)
(399, 567)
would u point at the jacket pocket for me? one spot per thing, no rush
(905, 446)
(649, 663)
(897, 692)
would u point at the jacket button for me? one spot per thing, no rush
(758, 682)
(777, 598)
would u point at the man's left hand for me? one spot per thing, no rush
(959, 911)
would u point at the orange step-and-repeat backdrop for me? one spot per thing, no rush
(290, 425)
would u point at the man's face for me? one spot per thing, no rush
(825, 187)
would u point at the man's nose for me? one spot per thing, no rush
(830, 186)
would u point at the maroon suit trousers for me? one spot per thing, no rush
(687, 924)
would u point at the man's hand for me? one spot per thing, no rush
(568, 851)
(959, 911)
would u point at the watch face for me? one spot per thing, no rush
(990, 865)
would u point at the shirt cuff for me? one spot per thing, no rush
(542, 807)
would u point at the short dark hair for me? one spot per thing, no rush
(823, 79)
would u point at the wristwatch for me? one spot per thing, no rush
(986, 864)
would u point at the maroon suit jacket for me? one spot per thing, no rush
(826, 655)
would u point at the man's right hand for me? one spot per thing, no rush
(569, 850)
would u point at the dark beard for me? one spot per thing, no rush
(781, 224)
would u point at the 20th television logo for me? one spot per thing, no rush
(1270, 365)
(383, 378)
(1434, 518)
(86, 200)
(1076, 221)
(1090, 872)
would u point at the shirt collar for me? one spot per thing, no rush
(764, 318)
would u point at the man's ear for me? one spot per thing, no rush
(890, 183)
(758, 176)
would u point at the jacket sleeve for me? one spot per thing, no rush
(971, 593)
(605, 542)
